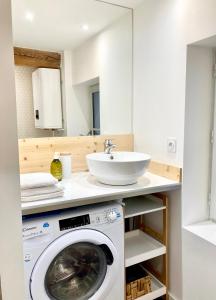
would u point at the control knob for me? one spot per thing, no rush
(112, 216)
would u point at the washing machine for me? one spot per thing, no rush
(75, 254)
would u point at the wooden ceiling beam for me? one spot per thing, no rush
(36, 58)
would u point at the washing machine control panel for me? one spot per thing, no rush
(107, 216)
(70, 223)
(96, 218)
(112, 216)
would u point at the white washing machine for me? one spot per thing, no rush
(75, 254)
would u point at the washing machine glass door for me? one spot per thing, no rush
(78, 265)
(77, 272)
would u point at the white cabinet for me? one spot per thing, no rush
(145, 243)
(47, 98)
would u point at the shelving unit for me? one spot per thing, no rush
(137, 206)
(146, 243)
(140, 247)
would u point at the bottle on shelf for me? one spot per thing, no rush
(56, 167)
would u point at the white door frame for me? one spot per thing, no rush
(11, 257)
(213, 162)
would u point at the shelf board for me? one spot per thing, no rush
(139, 247)
(142, 205)
(158, 289)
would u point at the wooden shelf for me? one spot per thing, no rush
(140, 247)
(142, 205)
(158, 289)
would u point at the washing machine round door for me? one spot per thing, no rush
(79, 265)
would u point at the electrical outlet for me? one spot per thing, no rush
(171, 145)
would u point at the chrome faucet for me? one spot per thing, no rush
(108, 146)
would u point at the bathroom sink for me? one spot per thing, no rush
(118, 168)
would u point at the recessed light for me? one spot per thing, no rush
(29, 16)
(85, 27)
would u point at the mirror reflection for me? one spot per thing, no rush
(73, 67)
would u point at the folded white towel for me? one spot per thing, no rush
(42, 190)
(42, 197)
(36, 180)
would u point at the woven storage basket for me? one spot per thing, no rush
(138, 288)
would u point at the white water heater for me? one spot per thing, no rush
(47, 98)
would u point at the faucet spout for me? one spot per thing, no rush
(108, 146)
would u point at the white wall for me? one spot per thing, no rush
(162, 30)
(11, 256)
(86, 60)
(159, 70)
(199, 268)
(78, 108)
(175, 245)
(116, 78)
(107, 56)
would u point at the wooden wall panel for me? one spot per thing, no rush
(35, 155)
(36, 58)
(164, 170)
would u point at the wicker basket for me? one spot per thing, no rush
(138, 287)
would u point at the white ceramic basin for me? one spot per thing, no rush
(118, 168)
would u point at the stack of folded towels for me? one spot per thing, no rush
(39, 186)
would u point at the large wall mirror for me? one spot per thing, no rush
(81, 83)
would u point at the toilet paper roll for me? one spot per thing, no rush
(66, 161)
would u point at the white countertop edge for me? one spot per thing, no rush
(205, 230)
(83, 189)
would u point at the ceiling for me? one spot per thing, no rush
(125, 3)
(58, 24)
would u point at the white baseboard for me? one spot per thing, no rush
(171, 297)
